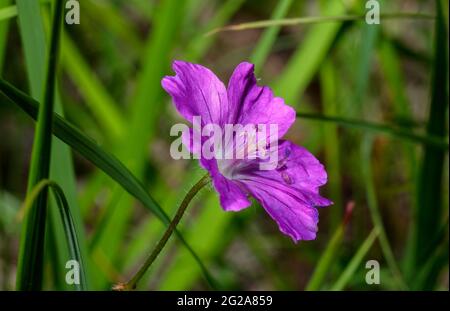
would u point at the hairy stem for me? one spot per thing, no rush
(131, 284)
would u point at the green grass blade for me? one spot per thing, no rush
(392, 72)
(438, 250)
(111, 18)
(100, 158)
(70, 233)
(34, 44)
(200, 44)
(326, 260)
(316, 20)
(86, 147)
(267, 40)
(145, 109)
(395, 84)
(430, 206)
(440, 143)
(30, 266)
(329, 255)
(144, 7)
(305, 61)
(97, 98)
(328, 85)
(7, 12)
(369, 35)
(66, 217)
(372, 202)
(9, 229)
(61, 170)
(147, 103)
(4, 27)
(355, 262)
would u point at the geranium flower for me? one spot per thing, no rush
(290, 191)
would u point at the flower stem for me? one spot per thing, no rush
(131, 284)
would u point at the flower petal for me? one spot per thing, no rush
(196, 91)
(253, 104)
(293, 216)
(232, 196)
(290, 193)
(297, 168)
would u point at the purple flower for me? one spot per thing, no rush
(290, 191)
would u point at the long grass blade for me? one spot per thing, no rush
(330, 253)
(66, 218)
(8, 12)
(364, 59)
(4, 27)
(100, 158)
(430, 207)
(145, 108)
(438, 250)
(306, 60)
(405, 133)
(61, 167)
(355, 262)
(264, 45)
(110, 18)
(372, 202)
(86, 147)
(30, 267)
(316, 20)
(199, 45)
(71, 236)
(97, 98)
(328, 86)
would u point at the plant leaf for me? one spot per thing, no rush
(430, 208)
(264, 45)
(100, 158)
(32, 33)
(355, 262)
(314, 20)
(375, 214)
(67, 220)
(400, 132)
(31, 253)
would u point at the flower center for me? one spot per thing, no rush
(239, 152)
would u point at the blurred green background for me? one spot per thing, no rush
(384, 89)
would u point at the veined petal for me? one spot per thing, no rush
(294, 217)
(290, 193)
(253, 104)
(196, 91)
(297, 168)
(232, 196)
